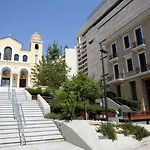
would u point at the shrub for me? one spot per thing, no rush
(108, 130)
(138, 132)
(46, 92)
(34, 91)
(54, 116)
(133, 104)
(111, 95)
(56, 106)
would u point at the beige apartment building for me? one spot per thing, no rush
(123, 27)
(129, 60)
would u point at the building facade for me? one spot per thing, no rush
(123, 28)
(16, 63)
(71, 61)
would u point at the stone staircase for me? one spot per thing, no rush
(37, 128)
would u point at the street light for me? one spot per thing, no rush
(104, 81)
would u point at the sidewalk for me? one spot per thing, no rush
(45, 146)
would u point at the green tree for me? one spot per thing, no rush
(51, 70)
(80, 89)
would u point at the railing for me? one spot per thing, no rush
(115, 77)
(112, 56)
(138, 43)
(17, 115)
(142, 69)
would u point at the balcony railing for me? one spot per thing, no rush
(143, 69)
(112, 56)
(138, 43)
(115, 77)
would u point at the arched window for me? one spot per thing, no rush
(0, 55)
(25, 58)
(36, 46)
(16, 57)
(7, 53)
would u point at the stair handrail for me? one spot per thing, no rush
(18, 117)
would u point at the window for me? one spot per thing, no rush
(114, 50)
(139, 37)
(16, 57)
(129, 64)
(133, 90)
(91, 41)
(142, 61)
(116, 71)
(7, 53)
(25, 58)
(126, 41)
(36, 46)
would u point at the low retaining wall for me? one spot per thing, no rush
(45, 107)
(81, 134)
(28, 95)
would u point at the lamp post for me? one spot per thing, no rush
(104, 81)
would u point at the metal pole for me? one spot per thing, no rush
(104, 82)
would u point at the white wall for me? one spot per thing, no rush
(71, 60)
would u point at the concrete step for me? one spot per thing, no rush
(8, 123)
(26, 115)
(6, 131)
(43, 138)
(54, 128)
(7, 120)
(9, 145)
(39, 126)
(39, 122)
(6, 113)
(46, 133)
(6, 116)
(9, 136)
(30, 106)
(10, 141)
(9, 127)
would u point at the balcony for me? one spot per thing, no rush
(139, 45)
(115, 78)
(113, 57)
(141, 70)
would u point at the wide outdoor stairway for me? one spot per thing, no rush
(37, 128)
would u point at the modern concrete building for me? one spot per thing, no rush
(71, 61)
(16, 63)
(124, 28)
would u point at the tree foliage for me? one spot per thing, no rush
(51, 70)
(80, 89)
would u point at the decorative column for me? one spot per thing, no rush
(29, 83)
(18, 80)
(0, 78)
(11, 79)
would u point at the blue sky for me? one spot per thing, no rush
(52, 19)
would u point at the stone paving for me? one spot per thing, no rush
(45, 146)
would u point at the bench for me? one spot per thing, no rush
(137, 116)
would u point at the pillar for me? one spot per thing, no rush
(0, 78)
(18, 80)
(11, 79)
(29, 83)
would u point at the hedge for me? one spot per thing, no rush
(133, 104)
(44, 92)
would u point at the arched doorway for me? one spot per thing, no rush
(23, 78)
(6, 72)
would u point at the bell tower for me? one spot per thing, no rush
(36, 47)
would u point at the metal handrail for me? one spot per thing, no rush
(18, 117)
